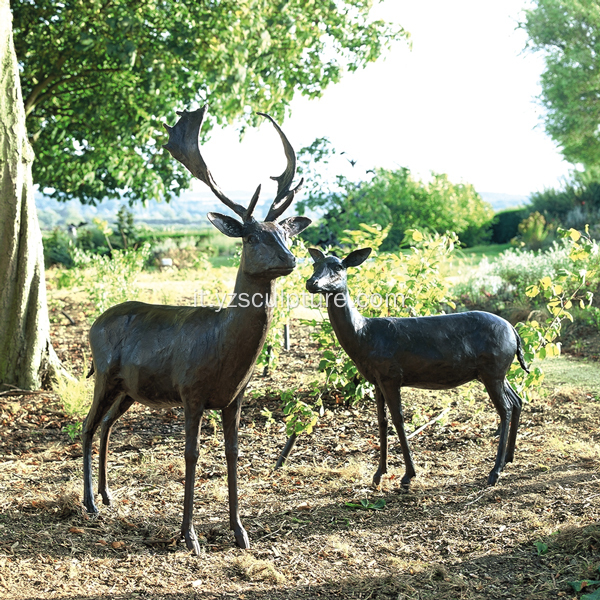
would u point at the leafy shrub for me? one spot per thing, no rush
(505, 225)
(575, 204)
(397, 199)
(534, 232)
(57, 248)
(109, 280)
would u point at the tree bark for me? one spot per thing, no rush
(27, 359)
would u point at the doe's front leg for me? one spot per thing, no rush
(391, 392)
(382, 423)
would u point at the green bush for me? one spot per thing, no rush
(397, 199)
(534, 232)
(505, 224)
(57, 248)
(573, 205)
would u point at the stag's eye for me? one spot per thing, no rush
(252, 239)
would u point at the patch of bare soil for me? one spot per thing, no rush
(451, 536)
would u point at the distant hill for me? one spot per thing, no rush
(504, 201)
(186, 212)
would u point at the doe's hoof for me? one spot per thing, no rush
(493, 478)
(241, 539)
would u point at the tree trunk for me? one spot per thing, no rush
(27, 359)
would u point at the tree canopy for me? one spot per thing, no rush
(568, 33)
(100, 76)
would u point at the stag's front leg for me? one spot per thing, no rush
(383, 436)
(192, 451)
(231, 423)
(391, 392)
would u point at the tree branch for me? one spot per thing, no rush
(30, 103)
(50, 91)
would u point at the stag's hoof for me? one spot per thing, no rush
(377, 478)
(241, 539)
(90, 506)
(405, 481)
(191, 541)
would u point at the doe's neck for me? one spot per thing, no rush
(345, 319)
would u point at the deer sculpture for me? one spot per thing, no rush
(435, 352)
(200, 358)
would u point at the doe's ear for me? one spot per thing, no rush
(357, 257)
(229, 226)
(316, 254)
(294, 225)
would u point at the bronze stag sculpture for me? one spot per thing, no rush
(199, 358)
(437, 352)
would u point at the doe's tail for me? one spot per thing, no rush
(520, 356)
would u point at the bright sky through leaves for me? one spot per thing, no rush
(462, 102)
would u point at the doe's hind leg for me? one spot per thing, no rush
(517, 404)
(503, 404)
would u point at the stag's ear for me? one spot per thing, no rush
(357, 257)
(294, 225)
(227, 225)
(316, 254)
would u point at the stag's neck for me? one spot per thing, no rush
(345, 319)
(252, 303)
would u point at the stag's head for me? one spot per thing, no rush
(330, 272)
(265, 252)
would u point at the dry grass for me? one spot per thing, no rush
(449, 537)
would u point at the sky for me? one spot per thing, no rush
(461, 102)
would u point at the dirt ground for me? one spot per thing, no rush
(449, 537)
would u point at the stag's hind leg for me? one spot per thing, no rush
(104, 398)
(391, 393)
(117, 410)
(504, 406)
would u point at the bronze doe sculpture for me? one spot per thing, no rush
(199, 358)
(436, 352)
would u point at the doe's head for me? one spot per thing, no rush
(329, 276)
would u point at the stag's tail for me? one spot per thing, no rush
(91, 371)
(520, 356)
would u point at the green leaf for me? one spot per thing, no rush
(366, 505)
(542, 547)
(579, 586)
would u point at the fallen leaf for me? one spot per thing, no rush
(75, 530)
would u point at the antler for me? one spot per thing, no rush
(285, 196)
(183, 146)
